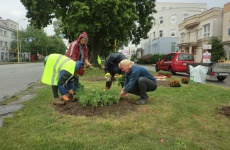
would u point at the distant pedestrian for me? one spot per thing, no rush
(138, 81)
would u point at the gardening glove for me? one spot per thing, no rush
(65, 98)
(108, 77)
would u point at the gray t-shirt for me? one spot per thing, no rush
(81, 53)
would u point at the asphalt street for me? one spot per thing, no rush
(17, 77)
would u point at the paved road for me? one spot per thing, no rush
(17, 77)
(225, 83)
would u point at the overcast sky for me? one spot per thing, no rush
(14, 10)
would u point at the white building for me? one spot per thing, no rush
(7, 29)
(163, 37)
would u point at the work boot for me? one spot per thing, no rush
(65, 98)
(70, 94)
(57, 101)
(141, 102)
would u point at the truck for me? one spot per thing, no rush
(219, 70)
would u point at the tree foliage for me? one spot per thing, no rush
(217, 50)
(104, 20)
(41, 43)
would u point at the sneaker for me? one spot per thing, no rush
(141, 102)
(57, 101)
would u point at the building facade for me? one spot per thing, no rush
(163, 37)
(198, 30)
(226, 29)
(7, 30)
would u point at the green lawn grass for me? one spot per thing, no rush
(175, 118)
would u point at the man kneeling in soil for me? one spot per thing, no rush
(138, 81)
(59, 72)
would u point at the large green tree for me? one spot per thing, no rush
(104, 20)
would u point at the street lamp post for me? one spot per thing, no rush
(17, 39)
(21, 48)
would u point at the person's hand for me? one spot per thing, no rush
(122, 93)
(89, 65)
(108, 77)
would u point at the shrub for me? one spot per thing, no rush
(174, 83)
(185, 80)
(164, 72)
(156, 57)
(97, 97)
(121, 80)
(150, 59)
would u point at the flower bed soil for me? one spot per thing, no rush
(74, 108)
(225, 110)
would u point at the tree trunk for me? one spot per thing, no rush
(95, 52)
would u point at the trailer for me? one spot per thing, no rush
(219, 70)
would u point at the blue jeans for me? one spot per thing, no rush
(75, 84)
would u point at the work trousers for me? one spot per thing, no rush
(143, 86)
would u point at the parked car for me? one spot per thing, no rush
(175, 62)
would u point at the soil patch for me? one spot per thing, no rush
(225, 110)
(74, 108)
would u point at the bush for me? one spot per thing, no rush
(156, 57)
(174, 83)
(97, 97)
(14, 59)
(150, 59)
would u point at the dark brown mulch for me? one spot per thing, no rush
(74, 108)
(225, 110)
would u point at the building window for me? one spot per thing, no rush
(161, 20)
(154, 36)
(182, 37)
(5, 43)
(160, 33)
(206, 30)
(5, 33)
(228, 31)
(173, 33)
(0, 43)
(173, 19)
(154, 22)
(1, 32)
(185, 16)
(173, 46)
(12, 36)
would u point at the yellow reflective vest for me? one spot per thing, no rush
(55, 63)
